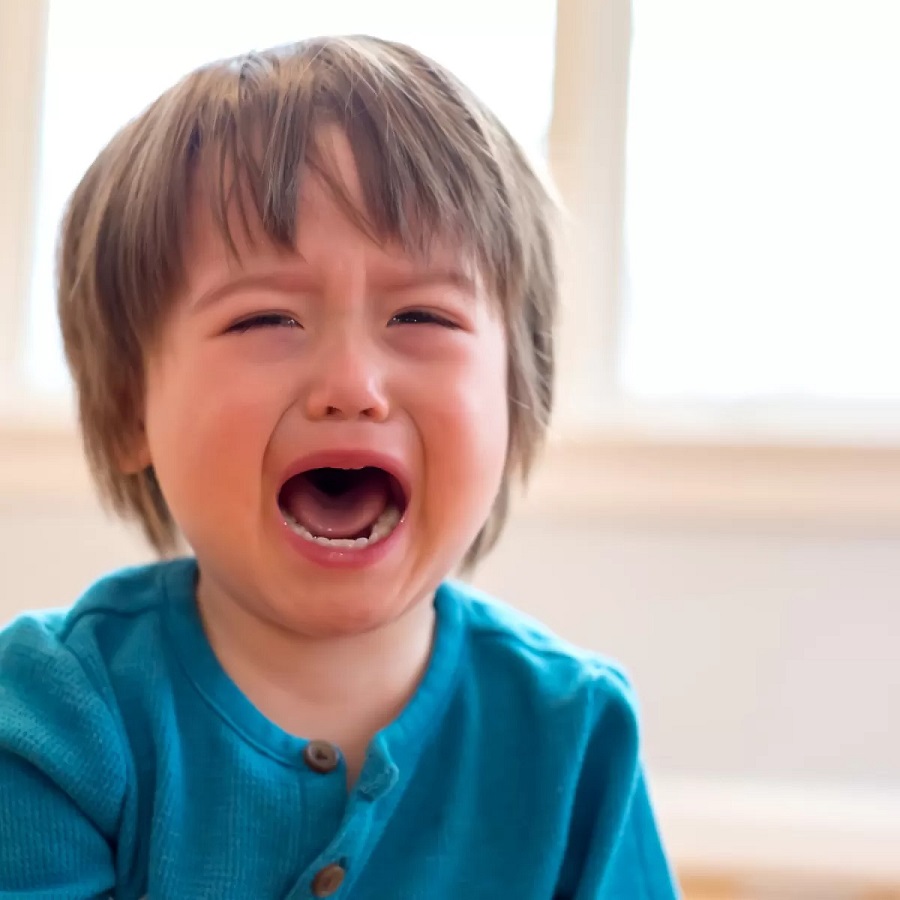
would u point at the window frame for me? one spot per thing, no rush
(23, 28)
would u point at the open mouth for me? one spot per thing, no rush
(343, 508)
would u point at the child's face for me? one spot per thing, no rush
(356, 357)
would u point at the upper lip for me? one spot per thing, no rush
(351, 458)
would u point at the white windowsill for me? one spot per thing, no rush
(831, 484)
(594, 474)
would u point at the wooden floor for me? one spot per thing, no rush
(702, 887)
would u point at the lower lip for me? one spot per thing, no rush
(342, 557)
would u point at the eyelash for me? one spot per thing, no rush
(273, 320)
(422, 317)
(267, 320)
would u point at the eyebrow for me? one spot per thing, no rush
(281, 281)
(455, 277)
(290, 280)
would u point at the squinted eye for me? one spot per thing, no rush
(421, 317)
(267, 320)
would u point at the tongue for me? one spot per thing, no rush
(350, 513)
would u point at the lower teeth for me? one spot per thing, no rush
(383, 526)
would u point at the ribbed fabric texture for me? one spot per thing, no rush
(132, 766)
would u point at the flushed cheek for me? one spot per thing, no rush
(463, 476)
(473, 401)
(465, 437)
(208, 445)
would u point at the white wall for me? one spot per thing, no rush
(766, 653)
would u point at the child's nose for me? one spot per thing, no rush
(347, 383)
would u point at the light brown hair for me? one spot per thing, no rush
(433, 161)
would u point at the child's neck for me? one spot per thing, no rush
(341, 689)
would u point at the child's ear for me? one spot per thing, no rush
(135, 456)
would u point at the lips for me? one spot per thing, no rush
(344, 508)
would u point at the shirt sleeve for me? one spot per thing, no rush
(614, 849)
(62, 772)
(637, 868)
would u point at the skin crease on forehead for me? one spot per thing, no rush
(324, 652)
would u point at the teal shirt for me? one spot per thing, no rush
(132, 766)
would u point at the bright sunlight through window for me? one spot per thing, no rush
(763, 201)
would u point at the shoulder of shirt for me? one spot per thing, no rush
(495, 627)
(59, 710)
(103, 616)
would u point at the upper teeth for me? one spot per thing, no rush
(383, 526)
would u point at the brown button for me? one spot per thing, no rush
(320, 756)
(328, 880)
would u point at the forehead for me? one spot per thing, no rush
(229, 225)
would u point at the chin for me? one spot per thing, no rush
(354, 607)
